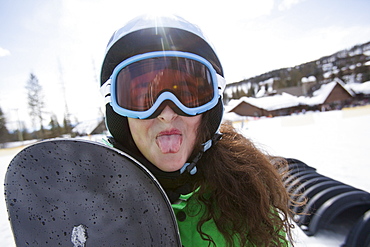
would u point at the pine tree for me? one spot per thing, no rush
(67, 126)
(55, 129)
(35, 102)
(4, 133)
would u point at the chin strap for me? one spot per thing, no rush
(191, 167)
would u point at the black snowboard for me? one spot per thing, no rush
(68, 192)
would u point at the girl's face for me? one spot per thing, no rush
(167, 140)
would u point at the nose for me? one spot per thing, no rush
(167, 115)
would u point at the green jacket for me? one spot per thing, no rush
(188, 213)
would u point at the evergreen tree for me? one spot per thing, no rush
(55, 129)
(67, 126)
(4, 133)
(35, 102)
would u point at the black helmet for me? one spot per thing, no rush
(146, 34)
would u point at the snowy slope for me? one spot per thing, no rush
(6, 237)
(336, 143)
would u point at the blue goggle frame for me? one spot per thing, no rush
(166, 95)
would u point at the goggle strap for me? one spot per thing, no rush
(105, 91)
(221, 82)
(191, 167)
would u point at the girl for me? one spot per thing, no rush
(163, 84)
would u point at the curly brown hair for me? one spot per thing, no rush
(243, 191)
(241, 187)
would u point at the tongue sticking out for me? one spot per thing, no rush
(169, 143)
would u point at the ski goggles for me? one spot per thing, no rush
(139, 85)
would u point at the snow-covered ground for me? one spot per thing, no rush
(336, 143)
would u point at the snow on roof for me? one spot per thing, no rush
(278, 101)
(320, 95)
(233, 103)
(359, 87)
(270, 103)
(285, 100)
(87, 127)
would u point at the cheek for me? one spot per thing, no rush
(193, 125)
(196, 120)
(139, 131)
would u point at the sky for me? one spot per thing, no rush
(63, 42)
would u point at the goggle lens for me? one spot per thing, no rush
(189, 80)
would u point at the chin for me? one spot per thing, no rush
(169, 162)
(171, 166)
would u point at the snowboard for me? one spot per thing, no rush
(68, 192)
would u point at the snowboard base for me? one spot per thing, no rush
(68, 192)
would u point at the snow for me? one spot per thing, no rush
(334, 142)
(360, 87)
(87, 127)
(278, 101)
(261, 92)
(309, 79)
(367, 53)
(319, 96)
(17, 144)
(328, 141)
(6, 236)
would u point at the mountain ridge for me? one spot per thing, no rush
(349, 65)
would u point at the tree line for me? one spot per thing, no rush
(36, 107)
(348, 65)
